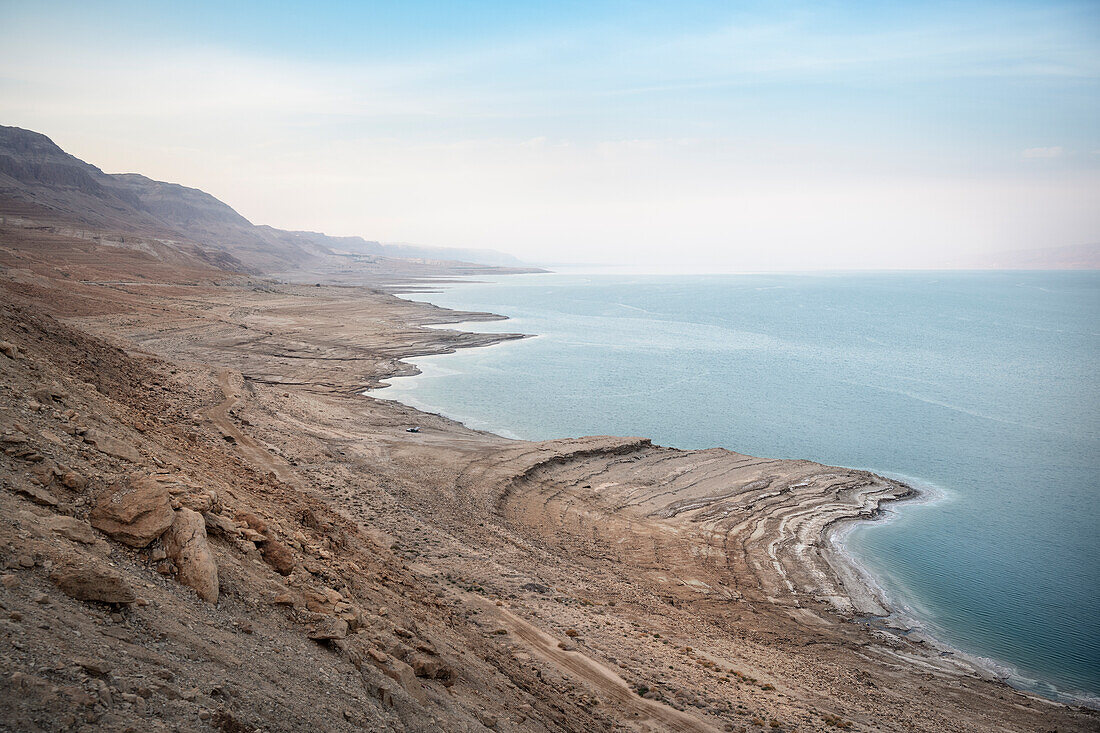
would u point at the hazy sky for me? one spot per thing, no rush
(725, 135)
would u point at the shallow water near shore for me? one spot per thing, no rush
(982, 384)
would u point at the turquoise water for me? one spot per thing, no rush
(981, 386)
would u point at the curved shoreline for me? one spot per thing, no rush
(867, 596)
(863, 590)
(898, 618)
(573, 585)
(864, 593)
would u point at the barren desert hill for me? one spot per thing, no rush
(37, 173)
(206, 525)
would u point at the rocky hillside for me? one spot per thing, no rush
(155, 581)
(38, 176)
(206, 525)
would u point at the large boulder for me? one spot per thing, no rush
(134, 511)
(88, 579)
(185, 542)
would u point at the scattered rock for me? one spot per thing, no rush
(37, 494)
(94, 667)
(329, 628)
(318, 602)
(185, 542)
(403, 674)
(200, 503)
(87, 579)
(535, 588)
(9, 349)
(278, 556)
(251, 521)
(48, 396)
(431, 668)
(220, 525)
(44, 473)
(72, 480)
(112, 446)
(134, 511)
(72, 529)
(9, 581)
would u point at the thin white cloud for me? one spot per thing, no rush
(468, 147)
(1054, 151)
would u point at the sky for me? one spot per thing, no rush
(709, 136)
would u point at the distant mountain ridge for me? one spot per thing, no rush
(34, 171)
(1070, 257)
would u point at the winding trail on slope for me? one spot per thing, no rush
(599, 676)
(255, 453)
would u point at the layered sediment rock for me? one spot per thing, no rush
(713, 517)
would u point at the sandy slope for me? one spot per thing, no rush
(598, 583)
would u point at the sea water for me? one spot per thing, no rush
(982, 387)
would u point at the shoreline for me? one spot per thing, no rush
(859, 583)
(865, 591)
(376, 579)
(899, 618)
(600, 583)
(867, 595)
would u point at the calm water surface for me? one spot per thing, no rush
(981, 386)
